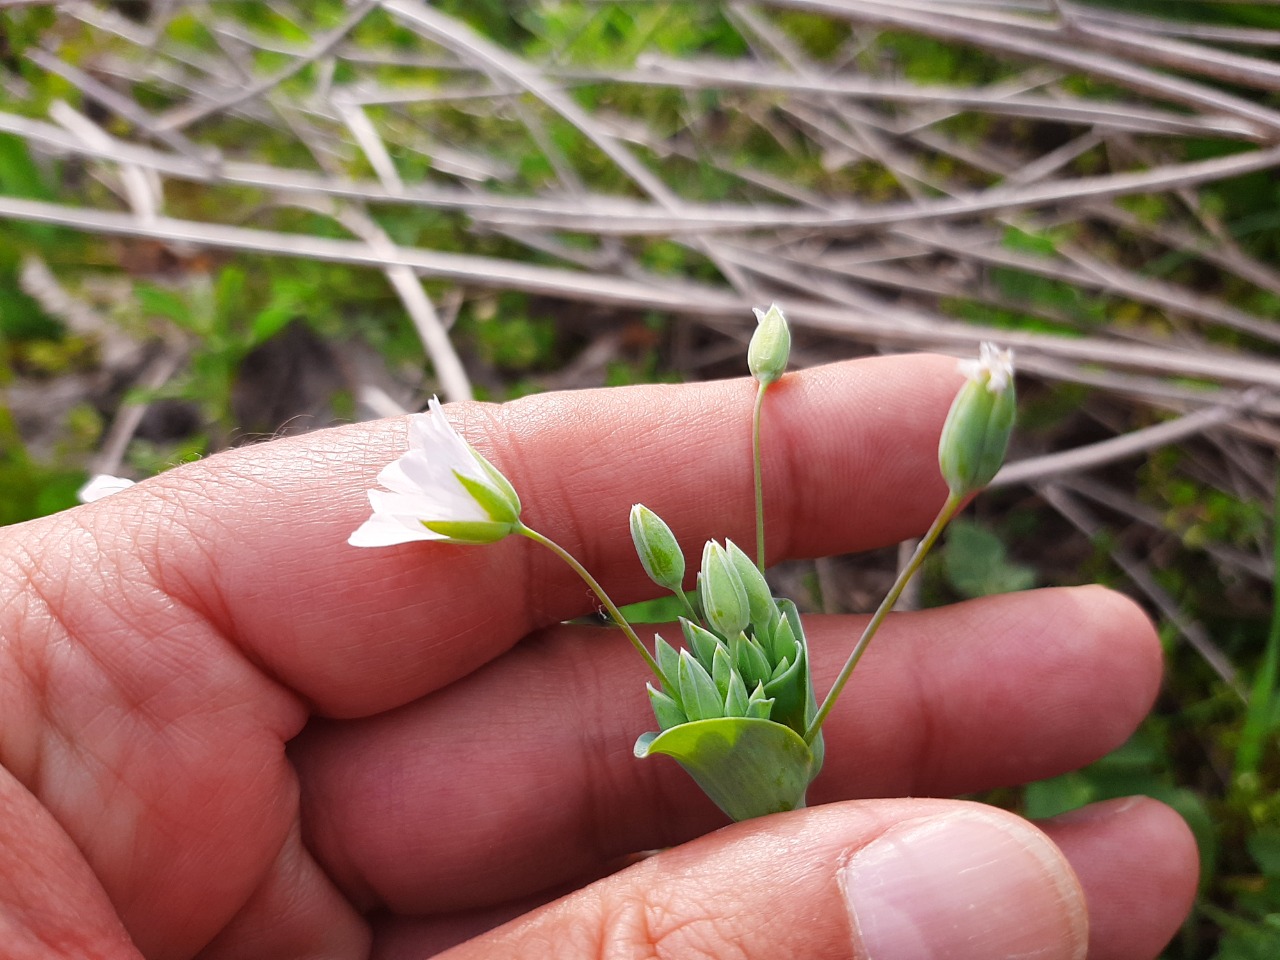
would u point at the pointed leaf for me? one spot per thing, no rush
(736, 701)
(698, 694)
(782, 640)
(665, 709)
(702, 642)
(722, 670)
(750, 660)
(668, 662)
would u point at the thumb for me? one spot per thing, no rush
(875, 880)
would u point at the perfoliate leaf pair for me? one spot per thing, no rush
(734, 704)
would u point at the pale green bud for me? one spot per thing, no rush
(699, 696)
(975, 436)
(770, 345)
(724, 600)
(657, 547)
(759, 597)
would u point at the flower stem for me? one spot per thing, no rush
(690, 614)
(758, 473)
(598, 590)
(944, 516)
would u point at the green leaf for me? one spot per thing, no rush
(977, 564)
(749, 767)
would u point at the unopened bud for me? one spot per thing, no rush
(659, 552)
(975, 436)
(724, 600)
(770, 345)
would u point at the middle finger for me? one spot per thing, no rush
(521, 775)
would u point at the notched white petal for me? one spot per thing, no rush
(103, 485)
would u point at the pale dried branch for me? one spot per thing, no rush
(1124, 446)
(188, 114)
(873, 321)
(1038, 40)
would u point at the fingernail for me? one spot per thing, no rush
(968, 884)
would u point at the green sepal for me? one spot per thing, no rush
(748, 767)
(668, 662)
(795, 703)
(780, 670)
(789, 689)
(493, 502)
(500, 483)
(702, 642)
(722, 670)
(698, 694)
(665, 709)
(736, 701)
(472, 532)
(750, 659)
(758, 705)
(782, 640)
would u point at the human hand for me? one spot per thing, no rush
(226, 734)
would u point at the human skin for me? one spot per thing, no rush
(225, 733)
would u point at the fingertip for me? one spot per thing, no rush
(1129, 655)
(966, 881)
(1113, 844)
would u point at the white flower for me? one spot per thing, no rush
(102, 485)
(993, 365)
(441, 489)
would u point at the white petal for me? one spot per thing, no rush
(103, 485)
(382, 530)
(419, 507)
(393, 477)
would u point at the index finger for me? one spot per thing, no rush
(256, 538)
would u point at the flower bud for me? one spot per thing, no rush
(759, 597)
(770, 345)
(724, 601)
(659, 552)
(976, 433)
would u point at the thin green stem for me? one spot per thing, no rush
(598, 590)
(759, 474)
(949, 510)
(690, 614)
